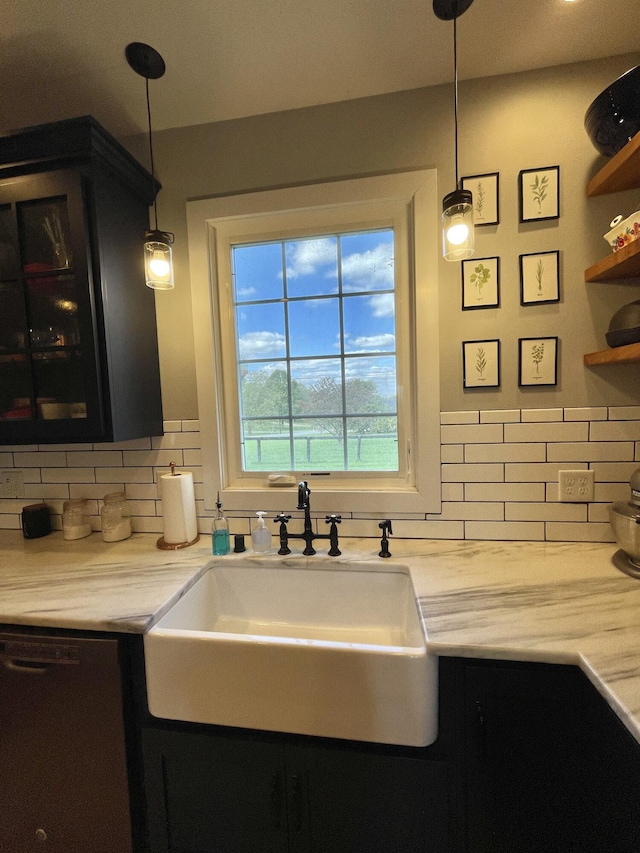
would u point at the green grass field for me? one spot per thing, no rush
(321, 453)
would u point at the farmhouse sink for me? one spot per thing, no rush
(325, 648)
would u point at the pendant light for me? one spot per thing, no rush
(158, 261)
(458, 238)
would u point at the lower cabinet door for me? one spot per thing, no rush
(214, 794)
(217, 793)
(352, 801)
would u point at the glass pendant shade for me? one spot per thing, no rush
(158, 262)
(458, 236)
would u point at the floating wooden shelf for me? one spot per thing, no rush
(621, 172)
(629, 354)
(625, 263)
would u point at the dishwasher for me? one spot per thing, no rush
(63, 765)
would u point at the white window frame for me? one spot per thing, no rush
(405, 201)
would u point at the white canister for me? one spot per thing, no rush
(75, 519)
(115, 517)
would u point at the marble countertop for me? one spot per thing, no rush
(535, 601)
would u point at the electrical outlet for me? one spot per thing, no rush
(11, 484)
(576, 486)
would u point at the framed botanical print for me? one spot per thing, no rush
(486, 198)
(539, 191)
(540, 278)
(480, 283)
(481, 364)
(538, 361)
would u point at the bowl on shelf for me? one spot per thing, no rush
(624, 326)
(613, 118)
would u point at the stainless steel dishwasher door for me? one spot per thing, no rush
(63, 770)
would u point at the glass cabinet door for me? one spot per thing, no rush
(47, 352)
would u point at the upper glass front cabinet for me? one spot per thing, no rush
(42, 363)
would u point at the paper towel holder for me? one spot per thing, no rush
(174, 546)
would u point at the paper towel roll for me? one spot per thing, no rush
(178, 508)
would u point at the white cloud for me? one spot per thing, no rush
(261, 344)
(373, 342)
(245, 292)
(305, 257)
(382, 305)
(373, 268)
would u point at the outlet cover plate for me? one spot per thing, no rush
(11, 484)
(576, 486)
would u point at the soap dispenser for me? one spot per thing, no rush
(261, 536)
(220, 532)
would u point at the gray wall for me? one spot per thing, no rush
(507, 123)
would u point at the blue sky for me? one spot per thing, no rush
(312, 276)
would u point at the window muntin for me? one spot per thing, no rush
(326, 399)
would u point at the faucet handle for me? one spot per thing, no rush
(282, 518)
(333, 519)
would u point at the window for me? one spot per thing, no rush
(315, 323)
(315, 350)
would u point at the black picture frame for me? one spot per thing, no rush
(486, 197)
(539, 194)
(473, 354)
(540, 278)
(478, 274)
(537, 366)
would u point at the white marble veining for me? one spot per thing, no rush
(540, 601)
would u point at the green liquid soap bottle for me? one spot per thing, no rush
(220, 532)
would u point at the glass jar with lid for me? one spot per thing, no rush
(116, 517)
(76, 523)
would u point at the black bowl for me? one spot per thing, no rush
(614, 117)
(624, 327)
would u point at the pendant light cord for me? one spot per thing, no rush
(153, 173)
(455, 91)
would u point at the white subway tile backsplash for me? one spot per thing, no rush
(596, 413)
(532, 432)
(615, 431)
(505, 452)
(610, 492)
(504, 492)
(452, 492)
(624, 413)
(40, 459)
(543, 472)
(69, 475)
(525, 530)
(482, 473)
(452, 453)
(459, 417)
(499, 476)
(500, 416)
(94, 458)
(541, 415)
(590, 451)
(545, 512)
(562, 531)
(613, 471)
(472, 434)
(469, 511)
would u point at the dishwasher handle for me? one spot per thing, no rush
(25, 667)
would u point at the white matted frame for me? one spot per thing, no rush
(485, 190)
(538, 361)
(540, 278)
(481, 364)
(539, 193)
(480, 283)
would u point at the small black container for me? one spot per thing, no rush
(36, 521)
